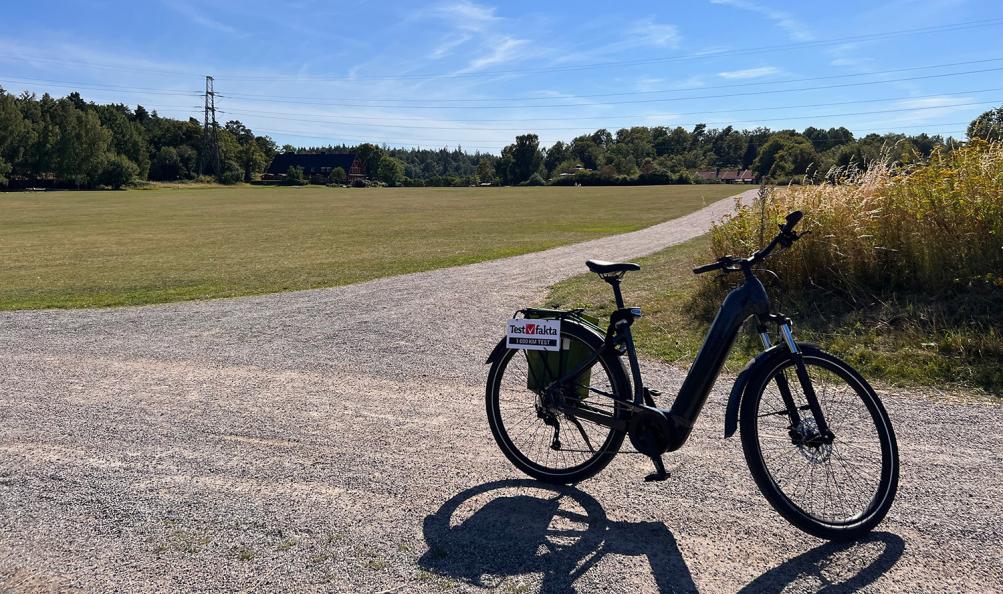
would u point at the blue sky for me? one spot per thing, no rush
(476, 74)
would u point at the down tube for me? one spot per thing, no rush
(741, 303)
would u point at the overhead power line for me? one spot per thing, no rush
(724, 123)
(634, 93)
(324, 119)
(300, 99)
(633, 101)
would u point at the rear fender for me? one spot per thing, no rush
(497, 352)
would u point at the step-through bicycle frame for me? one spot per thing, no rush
(747, 300)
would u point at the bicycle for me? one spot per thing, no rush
(816, 438)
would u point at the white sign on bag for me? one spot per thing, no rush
(535, 335)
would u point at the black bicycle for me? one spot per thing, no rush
(816, 437)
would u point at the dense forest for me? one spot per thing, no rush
(69, 142)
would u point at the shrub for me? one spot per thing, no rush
(232, 174)
(295, 176)
(534, 180)
(117, 171)
(338, 176)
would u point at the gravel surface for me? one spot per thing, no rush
(336, 440)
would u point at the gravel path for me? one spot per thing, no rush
(336, 440)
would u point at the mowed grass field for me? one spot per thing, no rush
(93, 249)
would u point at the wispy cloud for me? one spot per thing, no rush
(465, 15)
(646, 33)
(478, 24)
(506, 49)
(197, 17)
(662, 118)
(785, 20)
(649, 32)
(449, 44)
(759, 72)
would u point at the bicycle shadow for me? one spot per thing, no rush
(484, 535)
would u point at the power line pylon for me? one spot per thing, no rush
(210, 133)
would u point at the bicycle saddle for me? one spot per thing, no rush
(603, 267)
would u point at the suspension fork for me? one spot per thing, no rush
(801, 370)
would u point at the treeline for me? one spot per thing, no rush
(673, 155)
(69, 142)
(442, 167)
(642, 155)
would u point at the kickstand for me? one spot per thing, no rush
(660, 474)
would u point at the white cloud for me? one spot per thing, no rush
(196, 16)
(750, 73)
(661, 118)
(466, 15)
(448, 45)
(785, 20)
(506, 49)
(648, 32)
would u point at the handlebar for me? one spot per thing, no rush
(785, 238)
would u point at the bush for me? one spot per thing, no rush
(338, 176)
(117, 171)
(534, 180)
(295, 176)
(231, 174)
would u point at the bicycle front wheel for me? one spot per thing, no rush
(537, 432)
(838, 490)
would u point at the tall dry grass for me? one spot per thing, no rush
(902, 273)
(933, 229)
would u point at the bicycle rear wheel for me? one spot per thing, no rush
(539, 435)
(838, 490)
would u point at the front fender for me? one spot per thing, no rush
(742, 384)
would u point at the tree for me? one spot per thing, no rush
(294, 176)
(556, 155)
(369, 155)
(485, 172)
(82, 144)
(117, 171)
(522, 159)
(988, 126)
(252, 161)
(166, 165)
(390, 171)
(785, 154)
(338, 176)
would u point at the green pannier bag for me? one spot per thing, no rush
(547, 366)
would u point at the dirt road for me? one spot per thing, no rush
(336, 440)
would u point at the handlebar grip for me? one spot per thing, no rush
(707, 268)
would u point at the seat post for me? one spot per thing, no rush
(614, 282)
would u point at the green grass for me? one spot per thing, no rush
(903, 342)
(93, 249)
